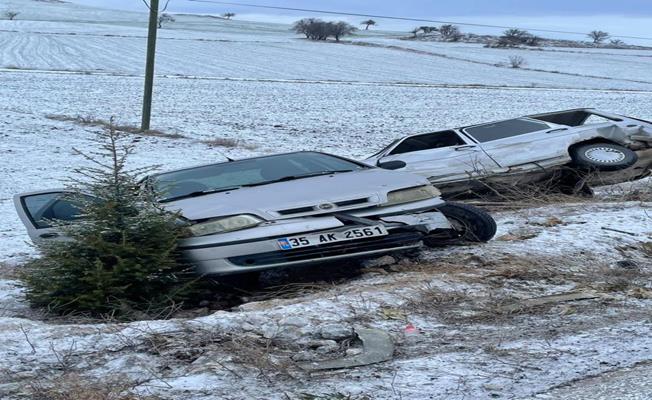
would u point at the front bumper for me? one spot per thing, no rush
(220, 255)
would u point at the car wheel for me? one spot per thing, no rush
(603, 156)
(471, 224)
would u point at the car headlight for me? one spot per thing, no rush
(412, 194)
(228, 224)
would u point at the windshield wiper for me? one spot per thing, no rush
(199, 193)
(295, 177)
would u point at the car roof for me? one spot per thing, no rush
(460, 128)
(256, 158)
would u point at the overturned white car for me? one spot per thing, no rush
(526, 150)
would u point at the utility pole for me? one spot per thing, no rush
(149, 67)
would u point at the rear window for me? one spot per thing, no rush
(504, 129)
(428, 141)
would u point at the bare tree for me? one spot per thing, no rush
(517, 61)
(598, 36)
(313, 28)
(516, 37)
(513, 37)
(616, 42)
(316, 29)
(341, 28)
(450, 33)
(11, 15)
(228, 15)
(368, 23)
(428, 29)
(164, 18)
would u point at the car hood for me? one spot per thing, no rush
(307, 196)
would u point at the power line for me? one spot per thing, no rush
(402, 18)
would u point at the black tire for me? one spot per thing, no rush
(471, 223)
(603, 156)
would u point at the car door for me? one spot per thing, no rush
(442, 157)
(522, 142)
(40, 211)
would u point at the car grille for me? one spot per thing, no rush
(315, 208)
(314, 253)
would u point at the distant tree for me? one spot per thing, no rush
(533, 40)
(316, 29)
(341, 28)
(313, 28)
(450, 33)
(428, 29)
(368, 23)
(517, 37)
(228, 15)
(616, 42)
(598, 36)
(516, 61)
(302, 26)
(514, 37)
(164, 18)
(11, 15)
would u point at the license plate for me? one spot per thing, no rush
(295, 242)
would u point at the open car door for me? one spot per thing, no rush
(39, 211)
(442, 157)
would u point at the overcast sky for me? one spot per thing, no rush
(619, 17)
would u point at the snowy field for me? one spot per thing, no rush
(270, 91)
(610, 64)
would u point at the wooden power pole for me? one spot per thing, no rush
(149, 67)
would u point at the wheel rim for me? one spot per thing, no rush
(604, 155)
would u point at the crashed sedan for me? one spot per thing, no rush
(288, 209)
(577, 148)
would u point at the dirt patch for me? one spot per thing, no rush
(101, 123)
(228, 143)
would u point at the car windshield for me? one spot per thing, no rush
(251, 172)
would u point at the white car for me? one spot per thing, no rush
(287, 209)
(525, 150)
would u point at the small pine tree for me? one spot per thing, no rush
(122, 252)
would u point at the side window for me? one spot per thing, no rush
(504, 129)
(428, 141)
(45, 207)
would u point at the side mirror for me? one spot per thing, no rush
(396, 164)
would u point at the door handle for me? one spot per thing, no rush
(466, 147)
(557, 130)
(48, 235)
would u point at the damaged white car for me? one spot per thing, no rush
(288, 209)
(578, 148)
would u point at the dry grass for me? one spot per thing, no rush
(72, 386)
(8, 272)
(266, 356)
(101, 123)
(517, 195)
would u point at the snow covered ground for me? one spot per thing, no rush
(269, 91)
